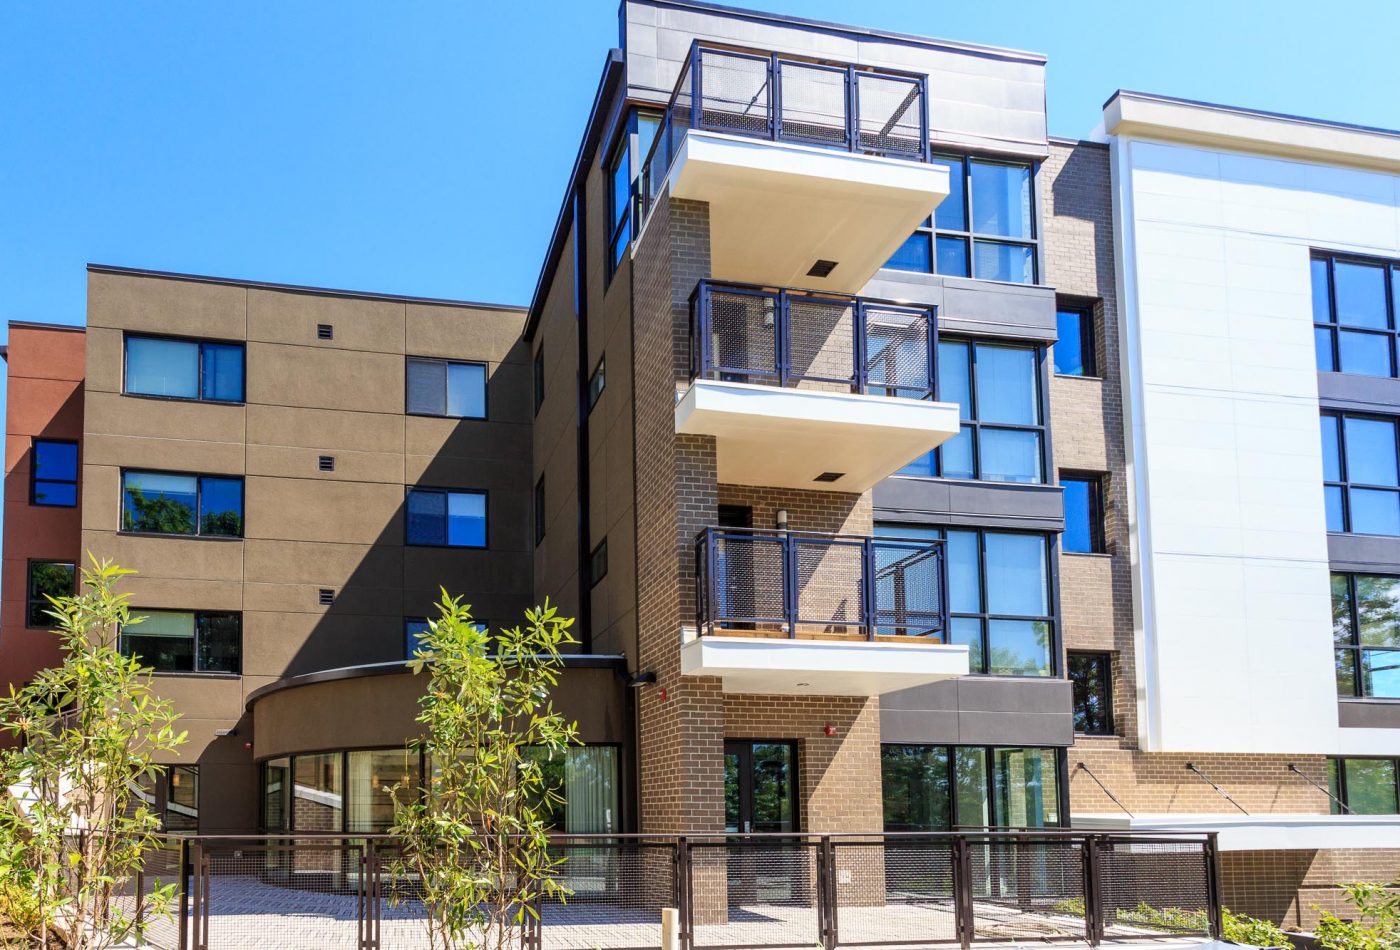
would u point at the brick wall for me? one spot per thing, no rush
(1294, 887)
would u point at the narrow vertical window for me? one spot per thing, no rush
(1074, 349)
(539, 378)
(1091, 674)
(53, 474)
(598, 563)
(47, 579)
(1084, 528)
(597, 380)
(539, 510)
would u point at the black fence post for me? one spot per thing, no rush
(1215, 909)
(826, 891)
(685, 893)
(1093, 893)
(962, 892)
(182, 865)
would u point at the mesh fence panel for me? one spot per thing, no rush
(830, 586)
(1027, 889)
(742, 341)
(161, 869)
(1153, 888)
(821, 342)
(897, 892)
(735, 93)
(890, 121)
(614, 896)
(748, 579)
(897, 352)
(761, 894)
(908, 589)
(813, 104)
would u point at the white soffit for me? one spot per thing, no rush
(777, 208)
(1278, 832)
(798, 667)
(784, 438)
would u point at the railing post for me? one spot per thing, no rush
(183, 868)
(861, 347)
(931, 315)
(852, 110)
(790, 593)
(697, 86)
(775, 98)
(962, 892)
(782, 337)
(867, 583)
(1215, 909)
(198, 898)
(826, 892)
(1093, 893)
(685, 892)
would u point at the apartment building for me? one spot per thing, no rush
(833, 419)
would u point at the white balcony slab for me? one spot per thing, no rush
(784, 437)
(777, 208)
(1278, 832)
(797, 667)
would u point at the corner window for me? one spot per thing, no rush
(939, 788)
(985, 228)
(53, 474)
(1092, 676)
(998, 391)
(1353, 302)
(445, 388)
(1074, 348)
(185, 641)
(47, 579)
(1366, 635)
(184, 369)
(539, 378)
(539, 510)
(597, 380)
(438, 517)
(171, 792)
(598, 563)
(1084, 531)
(193, 505)
(624, 216)
(1361, 474)
(1365, 786)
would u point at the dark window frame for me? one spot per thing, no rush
(539, 507)
(485, 387)
(1058, 753)
(600, 550)
(128, 336)
(34, 479)
(539, 378)
(622, 224)
(31, 602)
(199, 501)
(1356, 648)
(1088, 340)
(1337, 767)
(1390, 275)
(1104, 660)
(194, 653)
(597, 381)
(1098, 528)
(1345, 484)
(485, 510)
(162, 780)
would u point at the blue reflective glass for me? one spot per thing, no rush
(1380, 673)
(1321, 304)
(156, 367)
(1366, 354)
(1332, 497)
(1012, 263)
(160, 503)
(621, 183)
(1017, 584)
(1375, 512)
(1370, 448)
(56, 494)
(466, 519)
(1079, 515)
(925, 466)
(951, 213)
(1007, 389)
(1069, 348)
(957, 455)
(56, 461)
(1322, 343)
(413, 633)
(913, 254)
(964, 573)
(466, 390)
(221, 506)
(1001, 199)
(968, 632)
(427, 517)
(1018, 647)
(1360, 291)
(1331, 455)
(952, 256)
(954, 383)
(223, 372)
(1009, 455)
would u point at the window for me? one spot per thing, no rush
(998, 390)
(1361, 474)
(539, 378)
(1092, 676)
(998, 597)
(446, 388)
(1074, 350)
(596, 382)
(598, 563)
(414, 629)
(184, 369)
(989, 207)
(369, 805)
(586, 781)
(198, 505)
(539, 510)
(1366, 635)
(937, 788)
(454, 519)
(185, 641)
(626, 162)
(1365, 786)
(171, 792)
(1083, 495)
(47, 579)
(53, 474)
(1354, 323)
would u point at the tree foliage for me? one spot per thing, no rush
(475, 836)
(72, 834)
(1376, 926)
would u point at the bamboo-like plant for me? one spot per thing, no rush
(72, 835)
(474, 836)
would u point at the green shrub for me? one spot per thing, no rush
(1258, 933)
(1377, 926)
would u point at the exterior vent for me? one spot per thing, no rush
(829, 476)
(326, 463)
(327, 596)
(324, 331)
(822, 269)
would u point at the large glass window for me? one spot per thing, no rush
(184, 369)
(1365, 786)
(163, 503)
(1354, 323)
(171, 793)
(1074, 348)
(446, 388)
(185, 641)
(318, 792)
(938, 788)
(53, 474)
(1361, 473)
(998, 597)
(1084, 533)
(369, 777)
(997, 389)
(586, 778)
(455, 519)
(1092, 676)
(628, 155)
(985, 228)
(1366, 635)
(47, 579)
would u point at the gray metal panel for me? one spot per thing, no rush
(1360, 393)
(990, 504)
(973, 307)
(1363, 553)
(1368, 714)
(981, 710)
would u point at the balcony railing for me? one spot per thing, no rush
(749, 334)
(780, 98)
(801, 584)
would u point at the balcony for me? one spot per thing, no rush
(815, 173)
(811, 390)
(788, 612)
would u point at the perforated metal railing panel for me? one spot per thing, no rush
(813, 103)
(735, 92)
(742, 335)
(755, 894)
(820, 343)
(894, 893)
(908, 588)
(890, 117)
(1026, 889)
(1153, 888)
(829, 586)
(748, 578)
(897, 352)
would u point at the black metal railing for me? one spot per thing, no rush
(799, 583)
(760, 890)
(767, 95)
(749, 334)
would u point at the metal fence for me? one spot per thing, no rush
(749, 334)
(805, 584)
(768, 95)
(730, 891)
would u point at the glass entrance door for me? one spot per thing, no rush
(760, 787)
